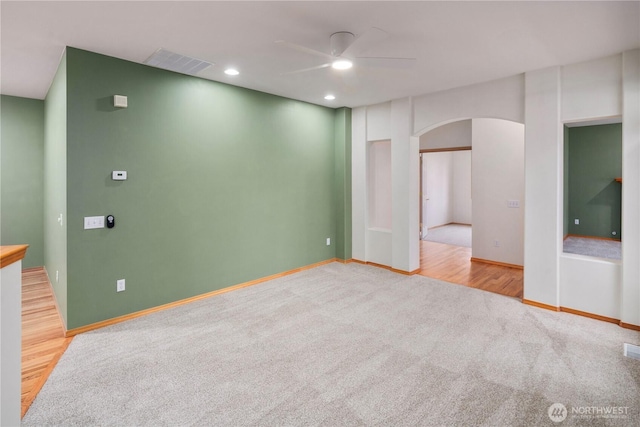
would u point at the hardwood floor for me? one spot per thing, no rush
(452, 264)
(43, 340)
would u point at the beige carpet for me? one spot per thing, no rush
(450, 234)
(593, 247)
(344, 345)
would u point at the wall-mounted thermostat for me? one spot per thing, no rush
(119, 175)
(120, 101)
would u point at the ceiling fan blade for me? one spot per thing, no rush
(350, 80)
(304, 70)
(371, 61)
(304, 49)
(372, 36)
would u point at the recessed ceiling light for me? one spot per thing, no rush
(329, 97)
(341, 64)
(231, 72)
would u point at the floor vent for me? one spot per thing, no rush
(632, 351)
(167, 60)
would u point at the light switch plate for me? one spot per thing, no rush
(91, 222)
(120, 285)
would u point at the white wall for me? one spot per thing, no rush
(630, 294)
(398, 247)
(438, 174)
(378, 122)
(451, 135)
(359, 191)
(372, 123)
(582, 278)
(500, 99)
(379, 183)
(498, 176)
(592, 89)
(585, 91)
(405, 164)
(543, 215)
(462, 208)
(10, 343)
(403, 121)
(447, 186)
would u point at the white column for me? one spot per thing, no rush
(405, 163)
(10, 343)
(630, 295)
(359, 183)
(543, 219)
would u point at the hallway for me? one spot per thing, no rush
(452, 264)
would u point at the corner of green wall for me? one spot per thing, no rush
(225, 185)
(343, 182)
(595, 160)
(55, 186)
(22, 180)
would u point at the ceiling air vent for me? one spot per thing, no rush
(162, 58)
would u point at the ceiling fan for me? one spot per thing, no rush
(344, 45)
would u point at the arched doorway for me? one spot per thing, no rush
(494, 261)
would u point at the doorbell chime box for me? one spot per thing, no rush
(120, 101)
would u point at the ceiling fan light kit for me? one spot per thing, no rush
(341, 64)
(343, 46)
(340, 41)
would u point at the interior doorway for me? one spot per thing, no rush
(493, 259)
(445, 182)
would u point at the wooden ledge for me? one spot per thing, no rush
(11, 254)
(615, 239)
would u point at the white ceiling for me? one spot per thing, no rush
(455, 43)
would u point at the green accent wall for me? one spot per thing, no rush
(22, 177)
(225, 185)
(55, 186)
(595, 160)
(565, 181)
(343, 183)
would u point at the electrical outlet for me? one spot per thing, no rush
(576, 221)
(496, 243)
(328, 241)
(120, 285)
